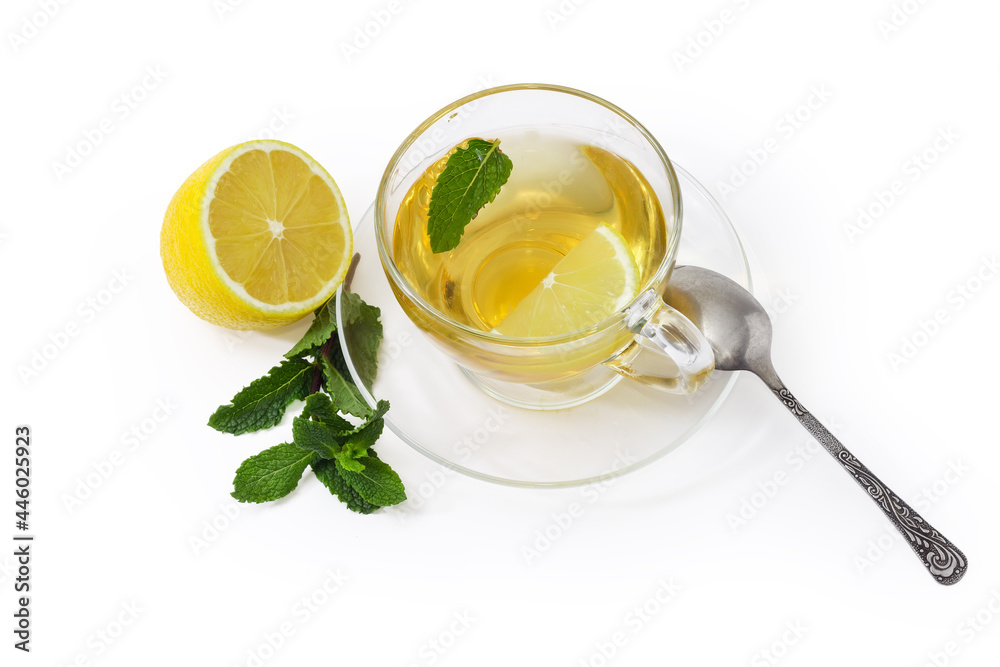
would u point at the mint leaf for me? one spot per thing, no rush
(363, 332)
(377, 483)
(262, 403)
(323, 326)
(471, 179)
(270, 475)
(345, 394)
(319, 407)
(315, 437)
(336, 357)
(326, 472)
(349, 464)
(357, 444)
(381, 408)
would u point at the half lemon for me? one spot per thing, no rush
(257, 237)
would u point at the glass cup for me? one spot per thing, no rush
(647, 341)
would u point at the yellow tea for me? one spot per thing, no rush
(559, 191)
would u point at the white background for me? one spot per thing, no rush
(817, 556)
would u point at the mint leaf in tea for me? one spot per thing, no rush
(471, 179)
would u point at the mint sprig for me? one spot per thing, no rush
(339, 450)
(471, 179)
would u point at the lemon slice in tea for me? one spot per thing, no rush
(598, 277)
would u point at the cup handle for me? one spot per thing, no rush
(667, 331)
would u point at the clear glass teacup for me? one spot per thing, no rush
(579, 162)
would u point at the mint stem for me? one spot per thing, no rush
(324, 353)
(349, 278)
(325, 350)
(317, 380)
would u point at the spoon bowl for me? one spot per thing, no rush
(735, 324)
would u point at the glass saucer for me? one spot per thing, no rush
(439, 412)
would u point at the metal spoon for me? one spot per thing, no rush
(739, 331)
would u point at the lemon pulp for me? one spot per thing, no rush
(598, 277)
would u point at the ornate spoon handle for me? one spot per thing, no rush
(943, 560)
